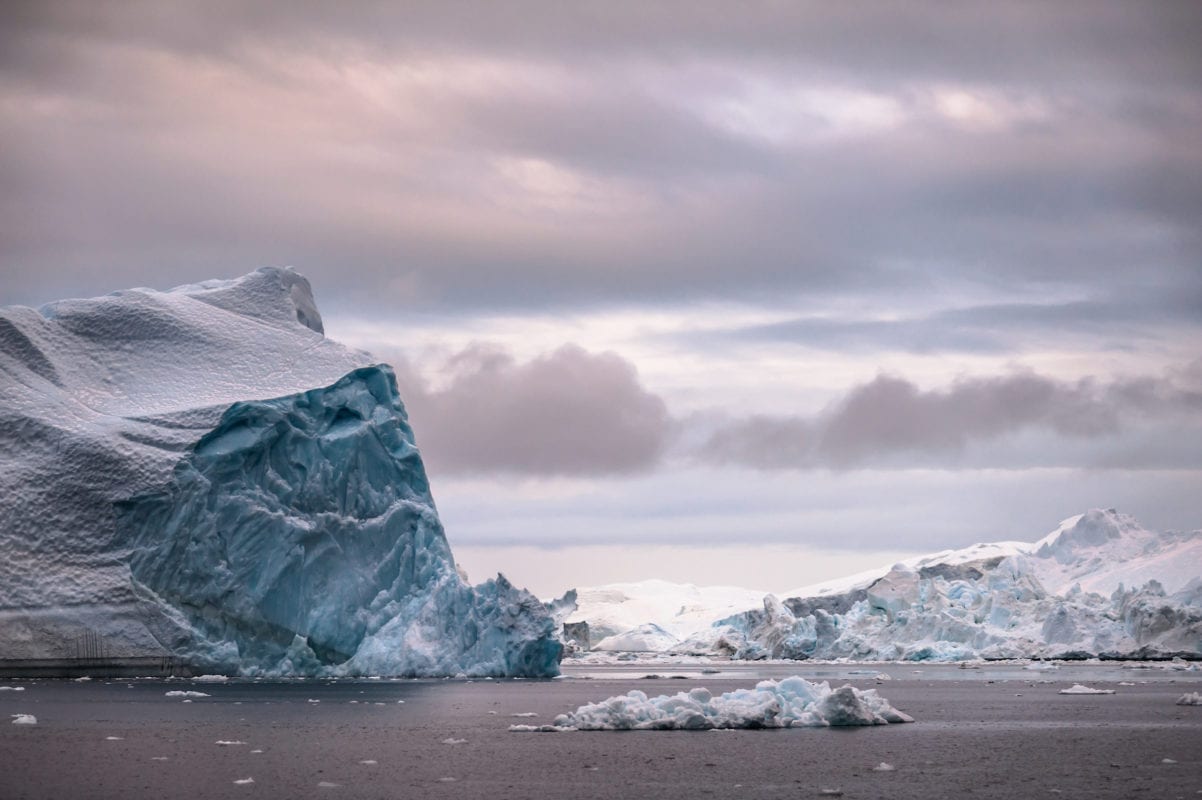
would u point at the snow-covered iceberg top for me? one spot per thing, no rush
(790, 703)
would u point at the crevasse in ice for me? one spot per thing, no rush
(155, 506)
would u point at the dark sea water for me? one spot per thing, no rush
(1000, 731)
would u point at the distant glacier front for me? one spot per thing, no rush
(1099, 586)
(199, 475)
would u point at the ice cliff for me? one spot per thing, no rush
(1100, 585)
(201, 474)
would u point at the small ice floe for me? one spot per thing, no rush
(210, 679)
(884, 767)
(84, 679)
(243, 781)
(371, 762)
(24, 719)
(447, 779)
(185, 693)
(1077, 688)
(158, 758)
(186, 700)
(541, 728)
(12, 688)
(525, 714)
(353, 702)
(114, 738)
(1126, 683)
(228, 742)
(311, 700)
(1168, 761)
(453, 740)
(1041, 666)
(492, 713)
(400, 702)
(327, 785)
(830, 792)
(1190, 699)
(789, 703)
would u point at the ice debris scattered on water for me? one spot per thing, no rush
(228, 742)
(1077, 688)
(244, 781)
(185, 693)
(1190, 699)
(12, 688)
(24, 719)
(453, 740)
(792, 702)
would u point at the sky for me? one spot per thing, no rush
(757, 294)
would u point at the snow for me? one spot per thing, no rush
(677, 611)
(791, 702)
(218, 482)
(1077, 688)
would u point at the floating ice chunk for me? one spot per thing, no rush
(453, 740)
(1041, 666)
(243, 781)
(185, 693)
(792, 702)
(228, 742)
(256, 751)
(24, 719)
(447, 779)
(1190, 699)
(311, 700)
(158, 758)
(210, 679)
(1077, 688)
(884, 767)
(541, 728)
(369, 762)
(1168, 761)
(12, 688)
(328, 785)
(525, 714)
(84, 679)
(114, 738)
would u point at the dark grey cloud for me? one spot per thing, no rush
(154, 143)
(569, 412)
(1019, 420)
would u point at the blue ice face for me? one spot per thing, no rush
(299, 536)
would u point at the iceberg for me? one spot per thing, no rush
(789, 703)
(200, 475)
(1100, 586)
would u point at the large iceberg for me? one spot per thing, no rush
(201, 475)
(1100, 585)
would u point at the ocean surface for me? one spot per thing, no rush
(995, 731)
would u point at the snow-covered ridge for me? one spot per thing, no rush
(199, 473)
(1100, 584)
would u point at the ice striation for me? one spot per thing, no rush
(201, 474)
(1098, 586)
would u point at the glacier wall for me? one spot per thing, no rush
(1030, 604)
(151, 505)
